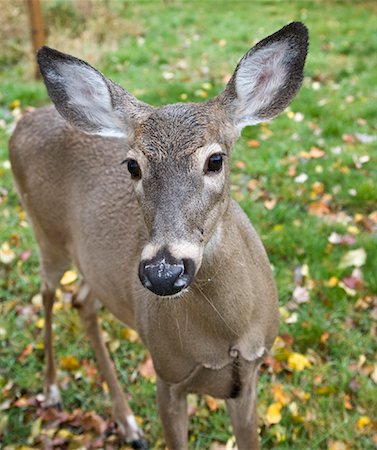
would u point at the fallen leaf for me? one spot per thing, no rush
(337, 445)
(69, 363)
(300, 294)
(130, 334)
(279, 394)
(363, 422)
(270, 204)
(316, 152)
(69, 277)
(273, 415)
(301, 178)
(239, 164)
(298, 362)
(365, 138)
(253, 143)
(213, 403)
(146, 369)
(28, 349)
(354, 258)
(7, 255)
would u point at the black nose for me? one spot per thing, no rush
(166, 275)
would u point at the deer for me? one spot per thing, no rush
(137, 197)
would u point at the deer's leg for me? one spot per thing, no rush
(122, 412)
(243, 413)
(172, 406)
(51, 390)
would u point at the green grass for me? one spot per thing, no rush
(136, 44)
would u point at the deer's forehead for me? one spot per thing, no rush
(176, 131)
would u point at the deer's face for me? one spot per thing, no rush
(179, 156)
(179, 167)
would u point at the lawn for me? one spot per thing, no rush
(307, 180)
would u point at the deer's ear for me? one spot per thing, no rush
(268, 77)
(85, 98)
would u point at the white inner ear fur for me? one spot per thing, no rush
(258, 80)
(89, 94)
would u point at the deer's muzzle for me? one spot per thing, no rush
(165, 275)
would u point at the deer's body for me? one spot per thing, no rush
(209, 312)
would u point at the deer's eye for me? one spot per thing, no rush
(134, 169)
(214, 163)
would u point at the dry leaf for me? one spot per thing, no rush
(213, 403)
(7, 255)
(253, 143)
(279, 394)
(298, 362)
(301, 294)
(273, 415)
(69, 277)
(363, 422)
(28, 349)
(146, 369)
(354, 258)
(69, 363)
(130, 334)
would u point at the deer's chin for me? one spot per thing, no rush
(177, 296)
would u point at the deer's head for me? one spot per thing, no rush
(178, 155)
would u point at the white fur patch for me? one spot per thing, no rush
(89, 94)
(133, 431)
(214, 241)
(258, 80)
(52, 396)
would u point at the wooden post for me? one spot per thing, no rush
(37, 29)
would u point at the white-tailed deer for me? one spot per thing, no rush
(157, 239)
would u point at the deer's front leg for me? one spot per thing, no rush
(243, 413)
(172, 406)
(122, 412)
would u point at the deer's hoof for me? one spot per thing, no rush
(52, 398)
(141, 444)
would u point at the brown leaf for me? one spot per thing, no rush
(253, 143)
(146, 369)
(239, 164)
(213, 403)
(28, 349)
(92, 421)
(316, 152)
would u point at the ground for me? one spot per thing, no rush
(307, 181)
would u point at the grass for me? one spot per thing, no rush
(170, 52)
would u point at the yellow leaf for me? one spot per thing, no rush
(15, 104)
(332, 282)
(278, 227)
(298, 362)
(273, 413)
(362, 422)
(68, 278)
(279, 394)
(353, 229)
(130, 334)
(40, 323)
(69, 363)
